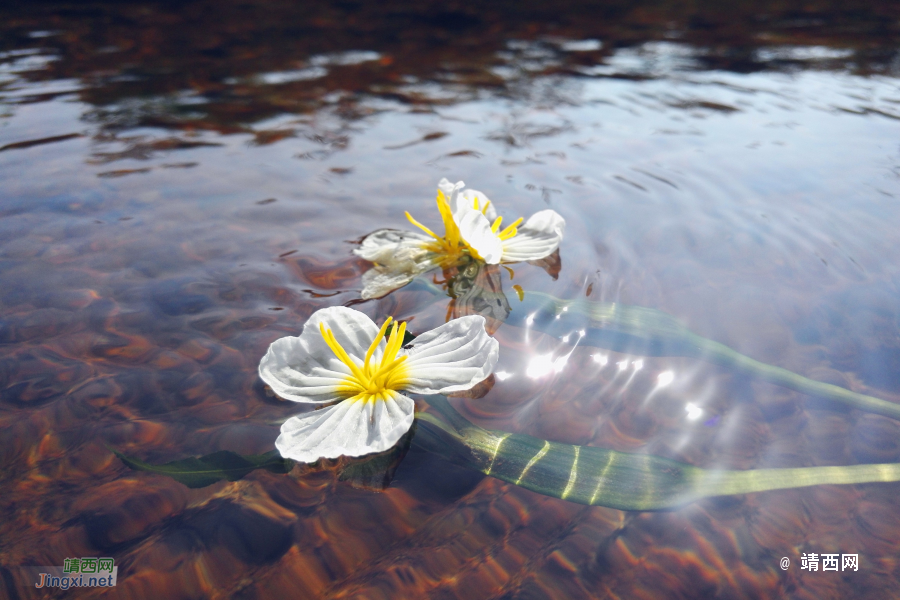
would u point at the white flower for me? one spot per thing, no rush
(342, 356)
(471, 228)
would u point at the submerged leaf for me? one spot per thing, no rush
(372, 471)
(476, 290)
(375, 472)
(602, 477)
(198, 472)
(582, 474)
(644, 331)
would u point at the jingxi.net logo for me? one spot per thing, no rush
(79, 572)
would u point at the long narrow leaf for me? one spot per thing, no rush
(597, 476)
(224, 465)
(649, 332)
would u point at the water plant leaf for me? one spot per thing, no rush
(372, 472)
(582, 474)
(645, 331)
(476, 290)
(224, 465)
(597, 476)
(376, 471)
(650, 332)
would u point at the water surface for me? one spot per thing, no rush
(183, 184)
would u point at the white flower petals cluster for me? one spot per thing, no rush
(342, 357)
(472, 228)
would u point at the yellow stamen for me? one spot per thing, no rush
(452, 235)
(452, 248)
(519, 292)
(384, 373)
(374, 380)
(340, 352)
(422, 227)
(374, 345)
(476, 204)
(393, 344)
(510, 231)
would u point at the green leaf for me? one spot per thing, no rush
(477, 291)
(198, 472)
(649, 332)
(375, 471)
(597, 476)
(372, 472)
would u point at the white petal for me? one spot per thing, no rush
(305, 369)
(451, 192)
(475, 229)
(380, 281)
(350, 428)
(470, 195)
(389, 246)
(396, 265)
(452, 357)
(537, 238)
(546, 221)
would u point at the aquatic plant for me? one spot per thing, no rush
(581, 474)
(316, 367)
(650, 332)
(598, 476)
(472, 231)
(343, 360)
(644, 331)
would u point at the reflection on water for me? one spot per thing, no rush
(182, 185)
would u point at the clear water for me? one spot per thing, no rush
(182, 185)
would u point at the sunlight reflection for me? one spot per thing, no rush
(544, 364)
(665, 378)
(636, 365)
(502, 375)
(600, 359)
(565, 339)
(694, 412)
